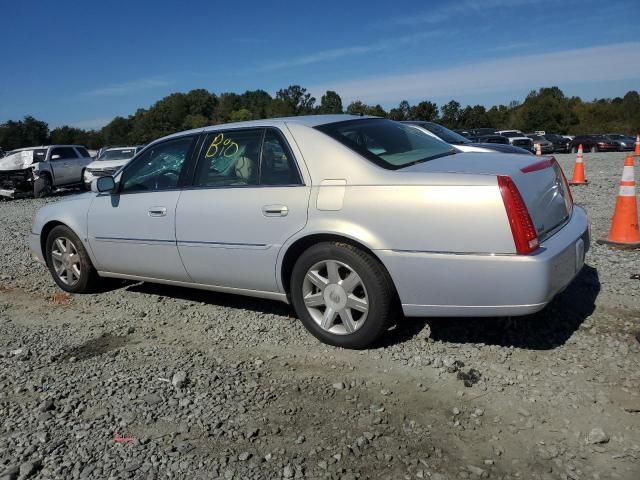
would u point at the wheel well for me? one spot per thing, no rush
(44, 233)
(304, 243)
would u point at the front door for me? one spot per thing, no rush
(248, 198)
(132, 231)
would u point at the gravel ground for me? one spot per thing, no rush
(145, 381)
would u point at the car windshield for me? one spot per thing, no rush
(444, 133)
(386, 143)
(512, 134)
(123, 154)
(536, 137)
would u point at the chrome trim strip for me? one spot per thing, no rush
(438, 252)
(200, 286)
(195, 243)
(133, 240)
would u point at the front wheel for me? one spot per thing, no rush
(42, 186)
(343, 295)
(69, 262)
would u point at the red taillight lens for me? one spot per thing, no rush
(522, 228)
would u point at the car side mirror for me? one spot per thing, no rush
(103, 185)
(55, 157)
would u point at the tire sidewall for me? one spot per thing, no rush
(375, 282)
(86, 268)
(43, 186)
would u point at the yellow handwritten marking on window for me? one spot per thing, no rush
(221, 147)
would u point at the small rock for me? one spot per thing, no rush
(288, 472)
(300, 439)
(597, 435)
(244, 456)
(386, 392)
(475, 470)
(179, 379)
(152, 398)
(10, 473)
(339, 386)
(29, 468)
(47, 405)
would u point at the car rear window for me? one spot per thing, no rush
(386, 143)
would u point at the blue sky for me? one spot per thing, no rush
(82, 63)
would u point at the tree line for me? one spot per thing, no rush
(544, 109)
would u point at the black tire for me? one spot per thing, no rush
(42, 186)
(379, 287)
(594, 149)
(88, 278)
(574, 150)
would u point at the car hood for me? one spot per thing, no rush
(102, 164)
(16, 161)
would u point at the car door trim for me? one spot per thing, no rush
(201, 286)
(201, 243)
(133, 240)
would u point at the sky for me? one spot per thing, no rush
(81, 63)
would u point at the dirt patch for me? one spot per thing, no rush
(61, 299)
(95, 347)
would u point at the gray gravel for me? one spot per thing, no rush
(145, 381)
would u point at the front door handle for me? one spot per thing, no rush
(157, 211)
(275, 211)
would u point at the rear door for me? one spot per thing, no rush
(248, 197)
(132, 232)
(63, 162)
(80, 163)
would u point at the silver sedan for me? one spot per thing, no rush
(350, 219)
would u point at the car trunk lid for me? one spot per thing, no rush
(540, 181)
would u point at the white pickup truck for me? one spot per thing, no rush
(38, 170)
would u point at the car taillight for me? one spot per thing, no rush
(522, 228)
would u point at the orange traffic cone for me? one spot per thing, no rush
(637, 152)
(538, 149)
(624, 224)
(578, 170)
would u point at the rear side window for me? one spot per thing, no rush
(230, 158)
(388, 144)
(63, 153)
(278, 166)
(83, 152)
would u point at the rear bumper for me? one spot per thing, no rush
(470, 285)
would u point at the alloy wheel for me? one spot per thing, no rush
(66, 261)
(335, 297)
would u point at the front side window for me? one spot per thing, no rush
(63, 153)
(388, 144)
(159, 168)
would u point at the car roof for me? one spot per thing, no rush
(121, 148)
(44, 146)
(306, 120)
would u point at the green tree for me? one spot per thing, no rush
(427, 111)
(402, 112)
(450, 114)
(330, 103)
(240, 115)
(299, 101)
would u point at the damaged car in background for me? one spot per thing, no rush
(38, 170)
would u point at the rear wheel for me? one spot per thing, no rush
(42, 186)
(594, 149)
(69, 262)
(343, 295)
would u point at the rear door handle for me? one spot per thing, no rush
(275, 211)
(157, 211)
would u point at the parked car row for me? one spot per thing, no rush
(551, 142)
